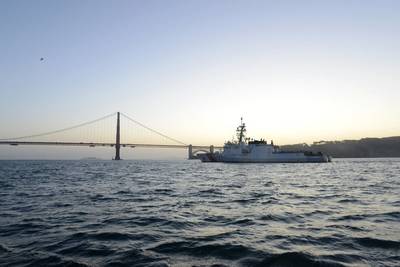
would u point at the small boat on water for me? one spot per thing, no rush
(246, 150)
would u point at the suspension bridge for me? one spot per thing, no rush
(106, 135)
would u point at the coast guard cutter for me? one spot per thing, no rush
(246, 150)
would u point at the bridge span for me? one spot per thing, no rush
(192, 149)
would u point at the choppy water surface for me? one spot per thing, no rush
(187, 213)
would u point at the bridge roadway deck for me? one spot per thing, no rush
(16, 143)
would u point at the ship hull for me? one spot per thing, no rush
(277, 158)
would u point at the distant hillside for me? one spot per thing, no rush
(364, 148)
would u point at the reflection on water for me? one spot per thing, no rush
(187, 213)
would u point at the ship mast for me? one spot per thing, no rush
(241, 131)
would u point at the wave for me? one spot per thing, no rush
(223, 251)
(245, 255)
(307, 240)
(86, 250)
(101, 197)
(245, 200)
(377, 243)
(286, 218)
(347, 227)
(22, 228)
(124, 192)
(383, 217)
(390, 215)
(295, 259)
(33, 259)
(3, 249)
(349, 200)
(136, 257)
(243, 222)
(56, 261)
(210, 192)
(352, 217)
(149, 221)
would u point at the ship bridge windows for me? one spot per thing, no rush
(257, 142)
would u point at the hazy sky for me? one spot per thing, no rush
(297, 71)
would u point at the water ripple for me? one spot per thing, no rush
(185, 213)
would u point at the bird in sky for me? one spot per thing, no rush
(41, 59)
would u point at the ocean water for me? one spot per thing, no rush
(188, 213)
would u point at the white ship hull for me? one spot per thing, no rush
(285, 157)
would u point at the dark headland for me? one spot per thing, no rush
(363, 148)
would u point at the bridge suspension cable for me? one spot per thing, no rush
(133, 140)
(152, 130)
(60, 130)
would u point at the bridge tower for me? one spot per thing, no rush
(117, 140)
(190, 152)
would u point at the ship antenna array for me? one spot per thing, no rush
(241, 130)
